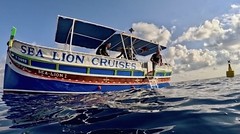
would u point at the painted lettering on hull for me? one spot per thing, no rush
(52, 74)
(77, 58)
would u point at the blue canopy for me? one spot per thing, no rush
(85, 34)
(91, 35)
(141, 46)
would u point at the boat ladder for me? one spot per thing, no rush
(152, 82)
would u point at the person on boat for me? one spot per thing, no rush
(128, 55)
(102, 50)
(156, 59)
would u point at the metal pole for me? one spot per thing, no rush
(124, 46)
(71, 38)
(131, 46)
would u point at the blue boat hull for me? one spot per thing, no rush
(14, 81)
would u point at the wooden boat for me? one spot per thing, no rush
(34, 68)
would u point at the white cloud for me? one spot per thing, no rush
(219, 38)
(220, 41)
(210, 31)
(173, 28)
(235, 6)
(152, 32)
(216, 34)
(184, 59)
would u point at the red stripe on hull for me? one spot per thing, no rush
(84, 78)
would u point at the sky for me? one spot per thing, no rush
(201, 35)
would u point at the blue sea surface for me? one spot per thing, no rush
(209, 106)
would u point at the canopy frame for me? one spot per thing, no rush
(75, 32)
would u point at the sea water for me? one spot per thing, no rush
(209, 106)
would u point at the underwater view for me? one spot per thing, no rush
(201, 107)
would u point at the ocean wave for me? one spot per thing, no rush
(200, 106)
